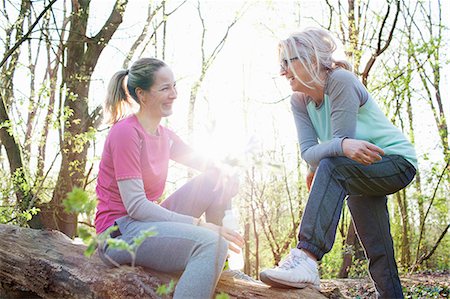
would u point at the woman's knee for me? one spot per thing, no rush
(221, 250)
(214, 245)
(327, 164)
(214, 239)
(223, 247)
(338, 166)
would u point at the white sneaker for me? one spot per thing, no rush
(296, 270)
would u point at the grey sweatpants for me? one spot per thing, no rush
(197, 252)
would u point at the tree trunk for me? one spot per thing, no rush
(47, 264)
(352, 250)
(350, 242)
(14, 158)
(83, 53)
(403, 207)
(7, 126)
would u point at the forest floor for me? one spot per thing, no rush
(417, 285)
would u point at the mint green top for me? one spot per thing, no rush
(347, 111)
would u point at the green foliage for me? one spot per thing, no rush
(28, 214)
(20, 182)
(134, 246)
(78, 201)
(137, 241)
(11, 215)
(222, 295)
(81, 140)
(118, 244)
(358, 269)
(6, 124)
(226, 266)
(87, 235)
(4, 214)
(166, 289)
(11, 211)
(332, 261)
(426, 291)
(95, 240)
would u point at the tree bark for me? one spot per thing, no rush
(8, 67)
(83, 53)
(350, 242)
(47, 264)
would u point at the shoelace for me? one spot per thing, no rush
(241, 275)
(291, 261)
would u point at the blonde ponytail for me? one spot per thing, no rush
(116, 98)
(342, 64)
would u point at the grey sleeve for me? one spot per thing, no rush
(140, 208)
(346, 95)
(345, 100)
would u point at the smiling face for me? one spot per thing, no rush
(295, 72)
(157, 101)
(302, 65)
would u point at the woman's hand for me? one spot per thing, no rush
(230, 235)
(361, 151)
(309, 178)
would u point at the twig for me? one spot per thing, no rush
(86, 223)
(424, 257)
(428, 210)
(30, 30)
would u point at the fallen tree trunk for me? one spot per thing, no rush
(46, 264)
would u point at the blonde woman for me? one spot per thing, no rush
(132, 176)
(353, 151)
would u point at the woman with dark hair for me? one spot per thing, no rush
(132, 175)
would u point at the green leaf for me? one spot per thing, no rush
(78, 201)
(85, 234)
(137, 241)
(222, 296)
(165, 289)
(119, 244)
(106, 234)
(91, 248)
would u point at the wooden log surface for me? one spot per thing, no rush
(47, 264)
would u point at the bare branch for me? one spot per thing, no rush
(156, 27)
(141, 37)
(26, 35)
(202, 41)
(331, 13)
(101, 39)
(429, 208)
(425, 257)
(380, 49)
